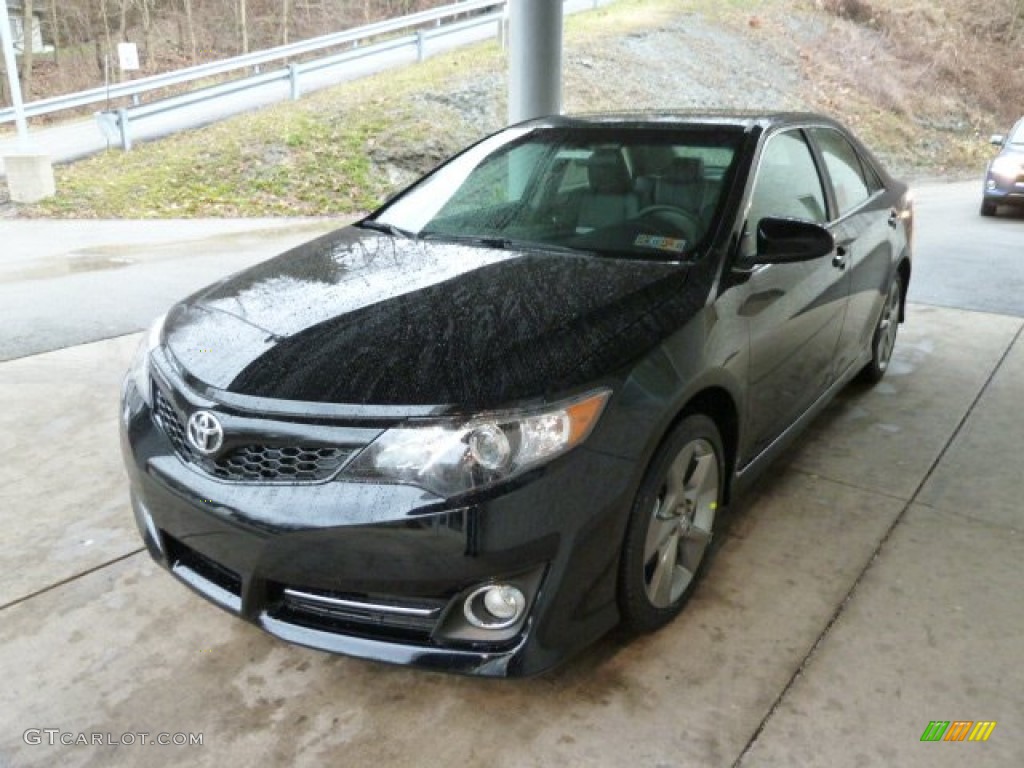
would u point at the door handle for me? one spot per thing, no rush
(839, 260)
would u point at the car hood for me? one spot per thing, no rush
(365, 318)
(1015, 151)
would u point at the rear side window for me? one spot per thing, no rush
(851, 185)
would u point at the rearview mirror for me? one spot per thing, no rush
(997, 139)
(780, 241)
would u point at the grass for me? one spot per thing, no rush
(311, 158)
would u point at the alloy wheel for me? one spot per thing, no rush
(681, 522)
(888, 325)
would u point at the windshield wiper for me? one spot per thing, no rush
(489, 242)
(503, 243)
(391, 229)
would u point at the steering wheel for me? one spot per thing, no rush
(669, 220)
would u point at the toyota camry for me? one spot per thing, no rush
(505, 412)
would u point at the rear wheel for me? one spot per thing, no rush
(987, 208)
(884, 340)
(671, 525)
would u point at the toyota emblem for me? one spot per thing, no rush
(205, 433)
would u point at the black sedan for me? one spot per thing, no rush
(505, 412)
(1004, 177)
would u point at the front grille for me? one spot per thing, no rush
(264, 462)
(168, 420)
(256, 462)
(403, 620)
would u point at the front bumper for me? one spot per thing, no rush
(382, 571)
(1002, 190)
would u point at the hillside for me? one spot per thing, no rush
(924, 83)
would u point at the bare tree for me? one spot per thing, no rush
(190, 23)
(55, 33)
(243, 25)
(285, 8)
(147, 8)
(28, 42)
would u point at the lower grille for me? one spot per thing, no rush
(257, 462)
(403, 620)
(181, 555)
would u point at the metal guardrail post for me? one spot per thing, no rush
(421, 45)
(125, 129)
(293, 81)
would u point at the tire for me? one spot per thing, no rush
(987, 208)
(671, 525)
(883, 341)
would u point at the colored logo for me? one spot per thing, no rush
(958, 730)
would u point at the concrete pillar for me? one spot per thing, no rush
(29, 177)
(535, 59)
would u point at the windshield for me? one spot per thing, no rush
(641, 193)
(1017, 136)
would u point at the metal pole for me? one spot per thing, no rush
(12, 74)
(535, 59)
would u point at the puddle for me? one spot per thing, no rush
(76, 262)
(108, 257)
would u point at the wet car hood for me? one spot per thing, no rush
(360, 317)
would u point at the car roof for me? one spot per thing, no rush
(742, 119)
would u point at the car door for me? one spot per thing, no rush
(794, 312)
(865, 222)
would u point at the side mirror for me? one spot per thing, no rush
(781, 241)
(997, 139)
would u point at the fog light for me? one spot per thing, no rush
(496, 606)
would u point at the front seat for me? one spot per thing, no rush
(682, 186)
(609, 198)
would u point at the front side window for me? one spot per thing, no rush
(787, 184)
(611, 190)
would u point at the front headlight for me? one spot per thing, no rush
(1008, 167)
(138, 372)
(482, 451)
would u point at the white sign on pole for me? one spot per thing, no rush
(128, 55)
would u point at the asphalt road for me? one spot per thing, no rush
(963, 260)
(64, 283)
(111, 278)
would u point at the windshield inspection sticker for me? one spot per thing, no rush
(672, 244)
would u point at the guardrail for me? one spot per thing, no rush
(116, 125)
(134, 89)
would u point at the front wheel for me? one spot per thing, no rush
(987, 208)
(671, 525)
(884, 340)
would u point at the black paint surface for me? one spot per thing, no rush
(361, 317)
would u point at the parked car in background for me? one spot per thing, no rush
(1004, 177)
(504, 413)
